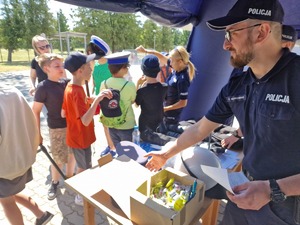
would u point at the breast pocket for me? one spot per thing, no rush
(276, 112)
(274, 121)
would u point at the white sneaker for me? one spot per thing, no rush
(78, 200)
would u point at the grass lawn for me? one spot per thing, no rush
(14, 66)
(21, 60)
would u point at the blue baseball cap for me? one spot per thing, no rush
(150, 66)
(118, 58)
(76, 59)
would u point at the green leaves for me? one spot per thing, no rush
(23, 19)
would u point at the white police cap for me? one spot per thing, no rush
(101, 44)
(118, 58)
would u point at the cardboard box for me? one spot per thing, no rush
(146, 211)
(134, 184)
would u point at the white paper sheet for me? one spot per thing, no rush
(227, 180)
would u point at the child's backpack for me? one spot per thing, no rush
(113, 110)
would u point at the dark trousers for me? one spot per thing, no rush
(120, 135)
(271, 214)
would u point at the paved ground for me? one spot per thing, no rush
(63, 207)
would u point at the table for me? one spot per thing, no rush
(96, 198)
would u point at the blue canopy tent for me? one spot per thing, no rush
(205, 46)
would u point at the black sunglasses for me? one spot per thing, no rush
(179, 53)
(44, 47)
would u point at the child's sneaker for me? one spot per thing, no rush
(52, 192)
(114, 154)
(78, 200)
(44, 219)
(106, 151)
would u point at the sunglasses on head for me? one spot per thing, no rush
(179, 52)
(44, 47)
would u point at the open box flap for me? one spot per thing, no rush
(120, 178)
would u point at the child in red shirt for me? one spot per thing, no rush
(79, 111)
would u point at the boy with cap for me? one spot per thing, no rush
(50, 93)
(79, 111)
(122, 131)
(151, 95)
(266, 103)
(101, 73)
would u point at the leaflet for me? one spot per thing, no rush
(227, 180)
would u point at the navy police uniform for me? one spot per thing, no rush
(178, 85)
(268, 111)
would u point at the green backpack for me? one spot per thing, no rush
(113, 121)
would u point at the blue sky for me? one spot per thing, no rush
(55, 6)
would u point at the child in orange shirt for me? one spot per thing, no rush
(79, 111)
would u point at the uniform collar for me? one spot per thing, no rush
(286, 57)
(182, 71)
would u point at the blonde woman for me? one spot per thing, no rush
(178, 82)
(40, 45)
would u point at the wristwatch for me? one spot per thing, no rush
(235, 133)
(276, 195)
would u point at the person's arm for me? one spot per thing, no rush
(93, 88)
(37, 108)
(140, 82)
(255, 194)
(89, 115)
(63, 113)
(290, 185)
(239, 133)
(178, 105)
(162, 59)
(229, 141)
(188, 138)
(32, 81)
(94, 85)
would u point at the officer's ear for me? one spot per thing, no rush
(262, 31)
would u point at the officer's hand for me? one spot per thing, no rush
(251, 195)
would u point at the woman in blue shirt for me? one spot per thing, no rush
(178, 82)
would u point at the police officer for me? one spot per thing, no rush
(266, 102)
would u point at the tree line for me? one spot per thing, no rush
(20, 20)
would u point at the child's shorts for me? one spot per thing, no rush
(12, 187)
(59, 148)
(83, 157)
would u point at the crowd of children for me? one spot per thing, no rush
(161, 94)
(70, 110)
